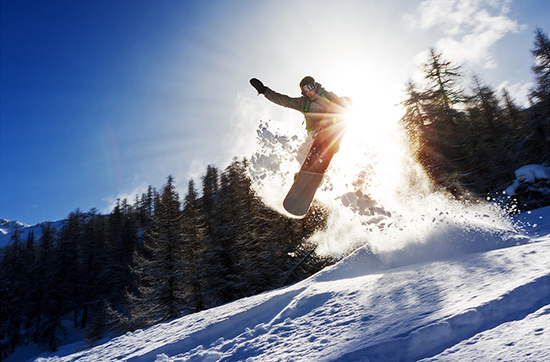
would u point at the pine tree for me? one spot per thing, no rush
(415, 117)
(95, 267)
(145, 206)
(210, 186)
(444, 92)
(193, 235)
(240, 240)
(434, 122)
(48, 311)
(217, 261)
(123, 241)
(67, 274)
(541, 53)
(28, 259)
(516, 119)
(11, 294)
(160, 268)
(540, 96)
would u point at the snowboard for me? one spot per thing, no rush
(309, 178)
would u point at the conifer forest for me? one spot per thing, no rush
(154, 260)
(469, 137)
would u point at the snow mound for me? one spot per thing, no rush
(528, 174)
(531, 173)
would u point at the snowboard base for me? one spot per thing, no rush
(301, 194)
(325, 145)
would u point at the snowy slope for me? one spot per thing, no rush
(458, 305)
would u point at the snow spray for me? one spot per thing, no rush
(379, 197)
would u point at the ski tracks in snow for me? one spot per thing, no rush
(401, 315)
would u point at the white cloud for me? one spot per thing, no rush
(130, 196)
(518, 91)
(469, 28)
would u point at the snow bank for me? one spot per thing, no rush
(528, 174)
(531, 173)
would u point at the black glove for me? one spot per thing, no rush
(260, 87)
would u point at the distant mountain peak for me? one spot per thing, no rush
(10, 223)
(8, 227)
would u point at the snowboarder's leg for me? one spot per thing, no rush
(325, 144)
(304, 148)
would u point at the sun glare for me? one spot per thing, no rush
(370, 158)
(371, 151)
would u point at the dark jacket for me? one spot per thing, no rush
(322, 109)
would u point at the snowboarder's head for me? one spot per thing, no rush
(307, 86)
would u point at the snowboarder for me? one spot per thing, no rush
(324, 116)
(322, 109)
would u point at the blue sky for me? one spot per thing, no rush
(100, 99)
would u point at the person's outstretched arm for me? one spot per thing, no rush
(297, 103)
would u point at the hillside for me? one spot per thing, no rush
(457, 303)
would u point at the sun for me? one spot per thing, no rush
(373, 142)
